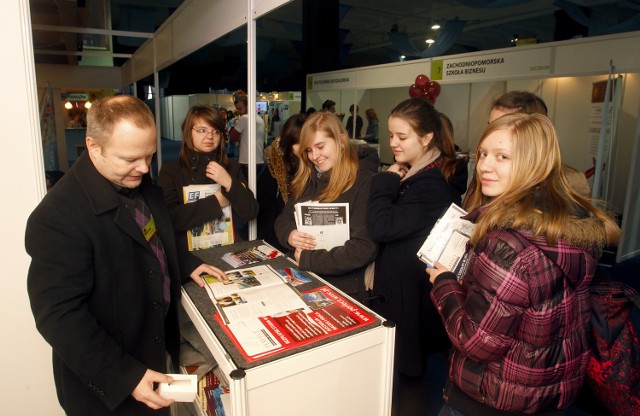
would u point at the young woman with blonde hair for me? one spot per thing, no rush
(519, 317)
(331, 170)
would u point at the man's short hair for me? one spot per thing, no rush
(521, 102)
(241, 98)
(328, 104)
(105, 113)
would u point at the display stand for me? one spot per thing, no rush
(350, 373)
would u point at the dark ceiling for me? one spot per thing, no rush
(369, 32)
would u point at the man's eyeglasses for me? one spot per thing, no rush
(205, 132)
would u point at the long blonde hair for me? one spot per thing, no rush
(344, 171)
(538, 185)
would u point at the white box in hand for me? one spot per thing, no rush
(183, 388)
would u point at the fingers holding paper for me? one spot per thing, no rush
(303, 241)
(435, 271)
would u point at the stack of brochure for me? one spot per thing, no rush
(327, 222)
(447, 241)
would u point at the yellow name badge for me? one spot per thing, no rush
(149, 229)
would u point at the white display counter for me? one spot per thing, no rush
(347, 374)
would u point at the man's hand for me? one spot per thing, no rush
(145, 393)
(208, 269)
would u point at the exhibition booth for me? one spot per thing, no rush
(571, 78)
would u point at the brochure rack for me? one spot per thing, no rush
(350, 373)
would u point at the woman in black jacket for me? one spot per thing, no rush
(404, 204)
(203, 161)
(331, 170)
(274, 183)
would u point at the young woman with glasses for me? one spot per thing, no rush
(203, 160)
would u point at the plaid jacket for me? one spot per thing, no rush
(518, 321)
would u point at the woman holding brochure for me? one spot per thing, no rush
(331, 171)
(404, 204)
(203, 161)
(519, 320)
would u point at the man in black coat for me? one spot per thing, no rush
(104, 280)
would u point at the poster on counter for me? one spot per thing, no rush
(325, 314)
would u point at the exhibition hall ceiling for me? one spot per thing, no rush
(371, 32)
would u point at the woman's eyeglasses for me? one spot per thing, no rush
(205, 132)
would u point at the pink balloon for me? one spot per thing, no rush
(422, 81)
(415, 91)
(434, 88)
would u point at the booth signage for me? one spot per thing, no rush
(76, 96)
(331, 81)
(503, 65)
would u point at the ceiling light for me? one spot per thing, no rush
(430, 41)
(435, 26)
(402, 58)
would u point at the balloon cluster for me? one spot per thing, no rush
(424, 88)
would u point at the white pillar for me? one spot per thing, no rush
(26, 385)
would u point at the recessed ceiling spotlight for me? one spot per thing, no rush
(435, 26)
(430, 41)
(402, 58)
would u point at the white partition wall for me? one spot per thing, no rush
(27, 382)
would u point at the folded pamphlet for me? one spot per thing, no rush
(327, 222)
(446, 244)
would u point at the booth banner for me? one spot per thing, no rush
(595, 117)
(331, 81)
(516, 64)
(295, 96)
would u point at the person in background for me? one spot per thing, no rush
(519, 318)
(331, 170)
(310, 111)
(371, 136)
(404, 203)
(203, 160)
(329, 105)
(75, 119)
(353, 109)
(274, 183)
(105, 274)
(526, 102)
(232, 147)
(240, 133)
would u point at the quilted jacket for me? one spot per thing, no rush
(518, 322)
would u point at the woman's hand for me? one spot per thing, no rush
(222, 200)
(399, 168)
(219, 175)
(303, 241)
(435, 271)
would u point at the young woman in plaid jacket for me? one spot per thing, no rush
(518, 319)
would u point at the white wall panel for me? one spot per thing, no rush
(69, 76)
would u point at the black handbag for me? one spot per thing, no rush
(613, 375)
